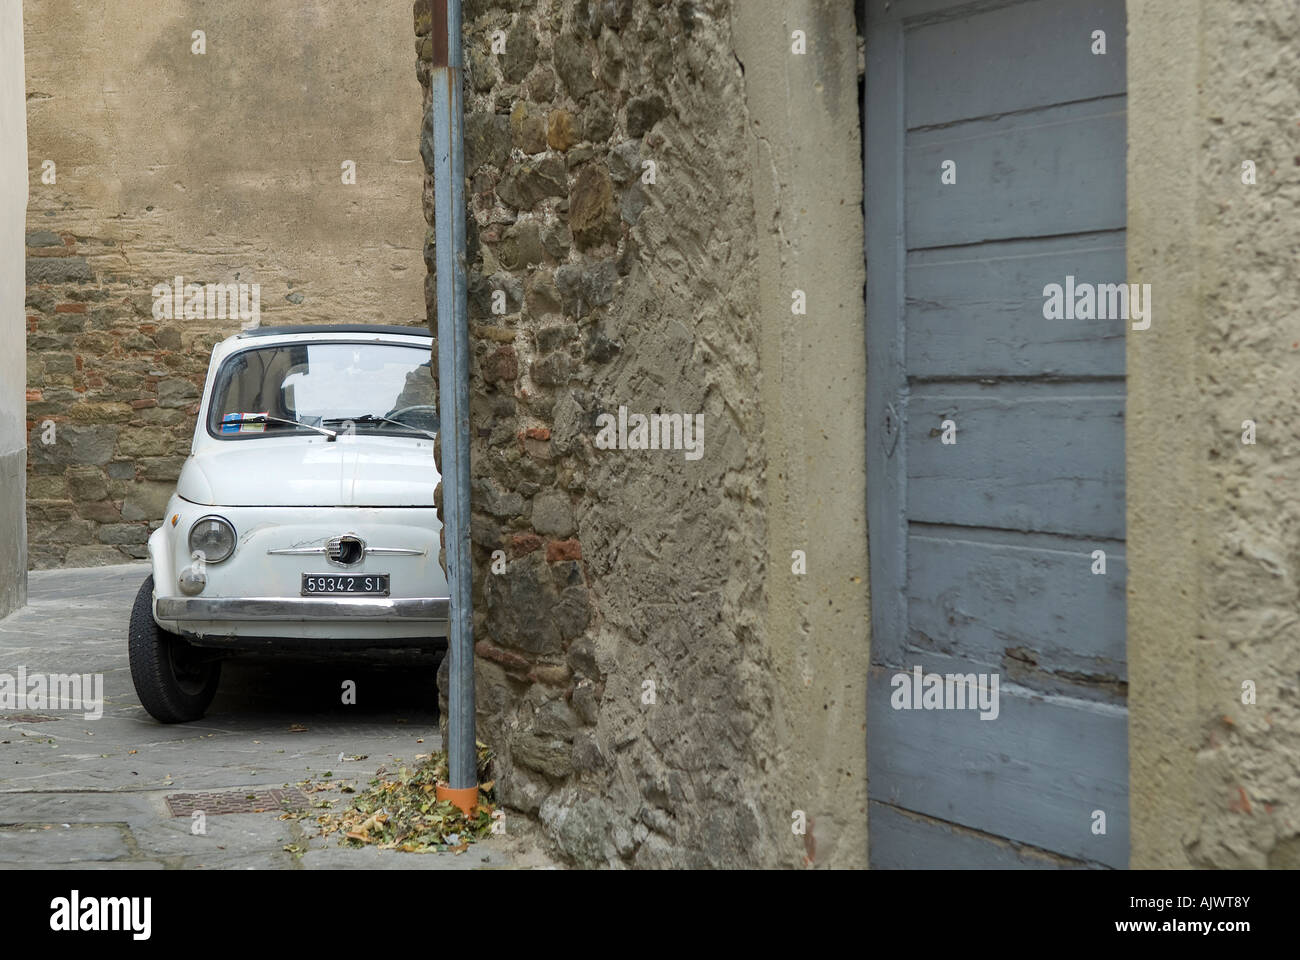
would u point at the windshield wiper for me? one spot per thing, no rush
(264, 418)
(371, 418)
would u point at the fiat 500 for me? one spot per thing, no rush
(303, 520)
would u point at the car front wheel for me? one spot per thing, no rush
(173, 679)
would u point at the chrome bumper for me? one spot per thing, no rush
(301, 608)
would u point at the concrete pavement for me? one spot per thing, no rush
(92, 792)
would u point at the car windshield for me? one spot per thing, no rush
(345, 387)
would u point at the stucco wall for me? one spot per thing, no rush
(1213, 524)
(13, 201)
(220, 167)
(659, 687)
(804, 132)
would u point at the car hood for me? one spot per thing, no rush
(355, 471)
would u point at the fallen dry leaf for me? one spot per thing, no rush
(403, 813)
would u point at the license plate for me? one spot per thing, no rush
(333, 584)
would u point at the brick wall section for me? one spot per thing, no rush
(117, 393)
(622, 567)
(234, 165)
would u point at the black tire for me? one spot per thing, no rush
(174, 683)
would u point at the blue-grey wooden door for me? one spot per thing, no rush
(995, 147)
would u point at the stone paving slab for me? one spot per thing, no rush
(333, 857)
(86, 865)
(273, 724)
(63, 842)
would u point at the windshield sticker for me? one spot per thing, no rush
(234, 423)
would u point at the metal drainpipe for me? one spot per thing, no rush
(453, 392)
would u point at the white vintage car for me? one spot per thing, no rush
(303, 520)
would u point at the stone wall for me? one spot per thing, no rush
(149, 160)
(627, 675)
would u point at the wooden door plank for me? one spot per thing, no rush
(1026, 175)
(886, 379)
(1035, 774)
(1026, 458)
(903, 841)
(978, 311)
(1013, 58)
(1028, 607)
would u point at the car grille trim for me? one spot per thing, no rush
(302, 608)
(323, 551)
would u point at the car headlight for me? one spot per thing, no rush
(214, 537)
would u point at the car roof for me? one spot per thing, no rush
(312, 328)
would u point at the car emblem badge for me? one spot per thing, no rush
(346, 551)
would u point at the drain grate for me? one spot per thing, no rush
(236, 801)
(27, 718)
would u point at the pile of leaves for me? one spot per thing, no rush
(402, 812)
